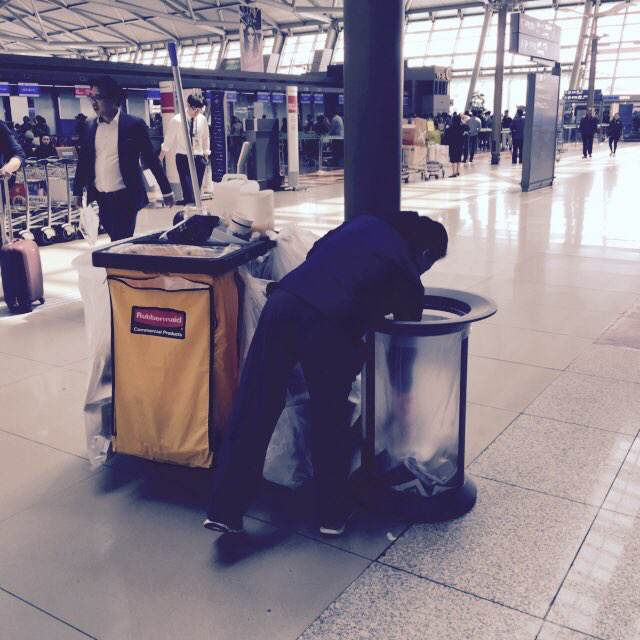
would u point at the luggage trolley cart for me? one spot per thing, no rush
(18, 212)
(39, 201)
(174, 347)
(435, 168)
(60, 198)
(413, 163)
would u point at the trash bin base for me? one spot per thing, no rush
(389, 503)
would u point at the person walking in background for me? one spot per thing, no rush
(41, 128)
(588, 129)
(454, 137)
(474, 125)
(200, 145)
(109, 162)
(517, 137)
(615, 133)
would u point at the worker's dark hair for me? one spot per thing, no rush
(196, 101)
(107, 86)
(421, 232)
(520, 112)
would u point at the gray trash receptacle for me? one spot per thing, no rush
(414, 405)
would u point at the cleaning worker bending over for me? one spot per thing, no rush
(316, 316)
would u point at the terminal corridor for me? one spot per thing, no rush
(551, 549)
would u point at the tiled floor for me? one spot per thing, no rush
(550, 550)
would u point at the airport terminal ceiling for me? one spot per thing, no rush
(437, 33)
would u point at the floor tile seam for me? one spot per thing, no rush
(13, 355)
(31, 375)
(308, 536)
(335, 599)
(593, 375)
(566, 575)
(467, 465)
(526, 412)
(562, 626)
(538, 491)
(553, 333)
(44, 444)
(524, 364)
(458, 589)
(600, 509)
(42, 498)
(47, 613)
(494, 323)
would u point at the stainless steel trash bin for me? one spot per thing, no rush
(415, 385)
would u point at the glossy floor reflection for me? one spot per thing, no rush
(551, 548)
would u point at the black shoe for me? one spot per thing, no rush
(222, 527)
(335, 528)
(589, 155)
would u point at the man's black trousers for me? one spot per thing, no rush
(516, 154)
(587, 145)
(289, 332)
(117, 213)
(182, 165)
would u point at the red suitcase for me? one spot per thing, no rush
(21, 275)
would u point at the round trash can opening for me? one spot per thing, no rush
(414, 410)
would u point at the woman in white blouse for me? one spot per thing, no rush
(200, 144)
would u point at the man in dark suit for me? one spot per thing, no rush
(588, 129)
(109, 161)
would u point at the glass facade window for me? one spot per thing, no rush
(233, 50)
(298, 51)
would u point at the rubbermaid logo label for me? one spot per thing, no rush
(164, 323)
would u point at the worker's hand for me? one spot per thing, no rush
(5, 173)
(169, 200)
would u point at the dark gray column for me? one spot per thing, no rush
(476, 67)
(372, 106)
(594, 56)
(575, 71)
(497, 95)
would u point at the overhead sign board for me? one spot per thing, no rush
(153, 94)
(83, 90)
(305, 98)
(534, 38)
(578, 94)
(277, 97)
(4, 89)
(262, 96)
(28, 89)
(318, 98)
(232, 96)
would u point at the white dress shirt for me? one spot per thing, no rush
(174, 140)
(108, 176)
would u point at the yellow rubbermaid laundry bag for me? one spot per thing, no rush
(163, 344)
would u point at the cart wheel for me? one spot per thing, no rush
(67, 232)
(47, 236)
(437, 177)
(26, 235)
(179, 217)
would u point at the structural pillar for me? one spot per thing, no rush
(476, 67)
(575, 71)
(594, 55)
(497, 94)
(373, 106)
(276, 51)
